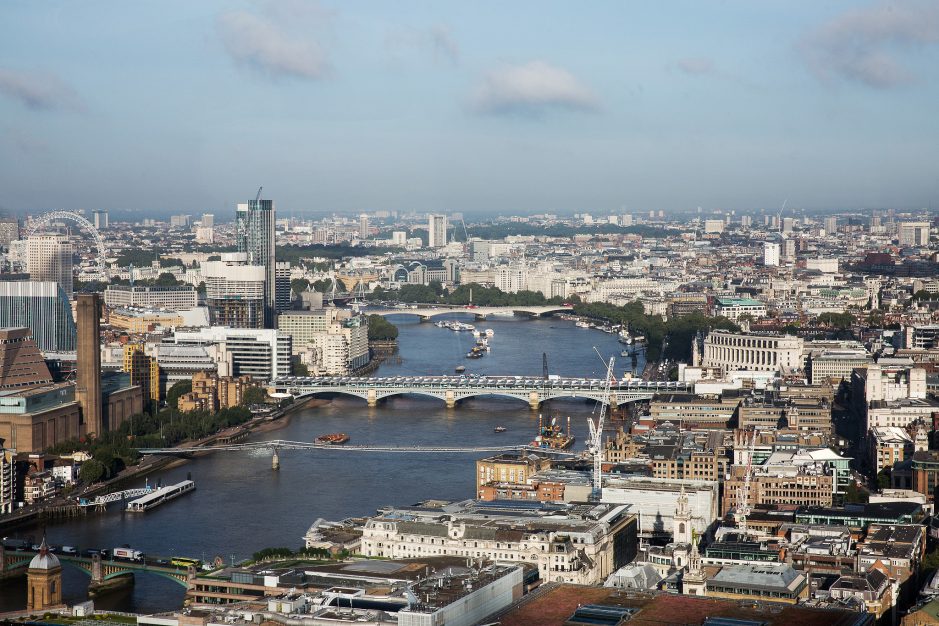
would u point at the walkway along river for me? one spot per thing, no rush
(241, 506)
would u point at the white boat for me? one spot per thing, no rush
(475, 333)
(582, 324)
(490, 332)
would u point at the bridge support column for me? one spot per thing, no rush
(534, 400)
(372, 397)
(614, 401)
(97, 572)
(275, 459)
(451, 399)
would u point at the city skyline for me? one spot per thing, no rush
(351, 108)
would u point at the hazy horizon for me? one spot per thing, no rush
(482, 108)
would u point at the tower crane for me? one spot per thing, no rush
(257, 198)
(595, 443)
(743, 491)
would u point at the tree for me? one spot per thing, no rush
(91, 471)
(300, 369)
(380, 329)
(179, 388)
(166, 279)
(170, 262)
(254, 395)
(883, 479)
(854, 494)
(299, 285)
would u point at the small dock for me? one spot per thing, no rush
(159, 496)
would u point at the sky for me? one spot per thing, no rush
(479, 107)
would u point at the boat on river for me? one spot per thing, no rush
(551, 436)
(158, 496)
(332, 439)
(500, 429)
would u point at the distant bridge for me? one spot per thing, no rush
(452, 389)
(429, 311)
(16, 562)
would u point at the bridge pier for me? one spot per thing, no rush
(451, 399)
(534, 400)
(275, 459)
(372, 397)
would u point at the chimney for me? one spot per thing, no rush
(88, 378)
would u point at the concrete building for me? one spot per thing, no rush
(888, 445)
(328, 341)
(177, 298)
(776, 484)
(254, 235)
(831, 225)
(713, 226)
(772, 582)
(576, 543)
(44, 581)
(363, 226)
(100, 219)
(88, 378)
(688, 410)
(235, 291)
(734, 308)
(49, 258)
(211, 393)
(833, 366)
(7, 478)
(913, 234)
(436, 231)
(44, 308)
(738, 351)
(144, 370)
(9, 231)
(655, 501)
(771, 254)
(141, 321)
(262, 354)
(511, 279)
(35, 418)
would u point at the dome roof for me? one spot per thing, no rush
(45, 559)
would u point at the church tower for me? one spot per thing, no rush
(693, 582)
(681, 526)
(43, 580)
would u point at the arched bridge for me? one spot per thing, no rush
(428, 312)
(452, 389)
(16, 562)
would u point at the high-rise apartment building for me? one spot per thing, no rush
(771, 254)
(831, 225)
(254, 235)
(208, 220)
(437, 231)
(234, 291)
(180, 221)
(100, 218)
(49, 257)
(363, 226)
(143, 369)
(42, 307)
(913, 234)
(9, 231)
(88, 378)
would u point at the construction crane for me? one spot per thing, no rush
(595, 442)
(257, 198)
(743, 491)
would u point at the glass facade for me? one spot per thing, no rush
(255, 237)
(43, 308)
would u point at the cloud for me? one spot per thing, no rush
(861, 45)
(445, 46)
(38, 91)
(695, 66)
(267, 46)
(532, 88)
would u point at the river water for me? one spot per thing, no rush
(241, 505)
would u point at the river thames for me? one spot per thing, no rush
(241, 505)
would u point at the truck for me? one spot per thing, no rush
(128, 554)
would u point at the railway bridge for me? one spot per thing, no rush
(101, 571)
(428, 312)
(452, 389)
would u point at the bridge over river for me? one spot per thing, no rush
(428, 312)
(102, 571)
(452, 389)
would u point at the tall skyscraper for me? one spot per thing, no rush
(831, 225)
(363, 226)
(101, 219)
(49, 257)
(254, 224)
(88, 365)
(208, 220)
(437, 231)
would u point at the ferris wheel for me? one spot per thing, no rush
(43, 221)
